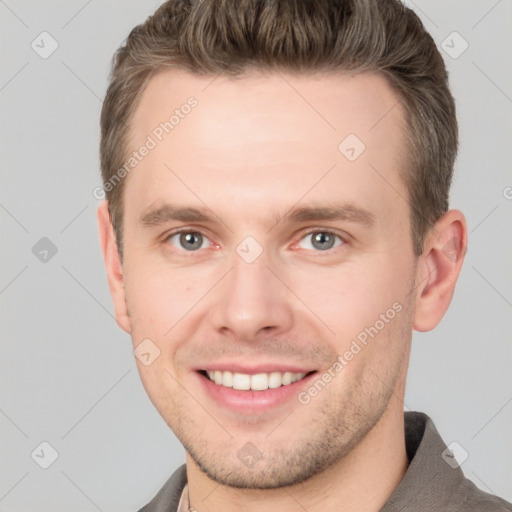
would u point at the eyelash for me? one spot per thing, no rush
(343, 239)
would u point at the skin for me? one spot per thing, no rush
(253, 150)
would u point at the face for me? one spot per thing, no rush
(258, 238)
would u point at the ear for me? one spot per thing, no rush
(438, 269)
(113, 266)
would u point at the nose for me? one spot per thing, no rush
(252, 302)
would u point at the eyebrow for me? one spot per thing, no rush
(167, 212)
(345, 212)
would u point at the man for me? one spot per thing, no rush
(276, 225)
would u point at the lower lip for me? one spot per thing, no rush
(251, 401)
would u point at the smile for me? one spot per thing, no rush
(256, 382)
(255, 392)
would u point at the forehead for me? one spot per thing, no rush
(268, 139)
(329, 104)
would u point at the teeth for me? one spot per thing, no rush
(257, 382)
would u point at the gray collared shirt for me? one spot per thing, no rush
(433, 481)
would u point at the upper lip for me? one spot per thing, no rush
(254, 369)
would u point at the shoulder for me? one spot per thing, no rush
(168, 497)
(469, 498)
(434, 480)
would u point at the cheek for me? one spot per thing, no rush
(349, 299)
(158, 297)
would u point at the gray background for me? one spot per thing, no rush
(68, 375)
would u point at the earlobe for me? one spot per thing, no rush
(113, 266)
(439, 268)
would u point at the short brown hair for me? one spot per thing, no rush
(209, 37)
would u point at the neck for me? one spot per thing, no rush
(362, 481)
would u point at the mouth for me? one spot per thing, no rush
(254, 382)
(253, 393)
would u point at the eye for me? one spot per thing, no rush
(188, 240)
(320, 240)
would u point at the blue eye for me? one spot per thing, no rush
(188, 240)
(320, 240)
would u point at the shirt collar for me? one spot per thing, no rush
(429, 477)
(184, 504)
